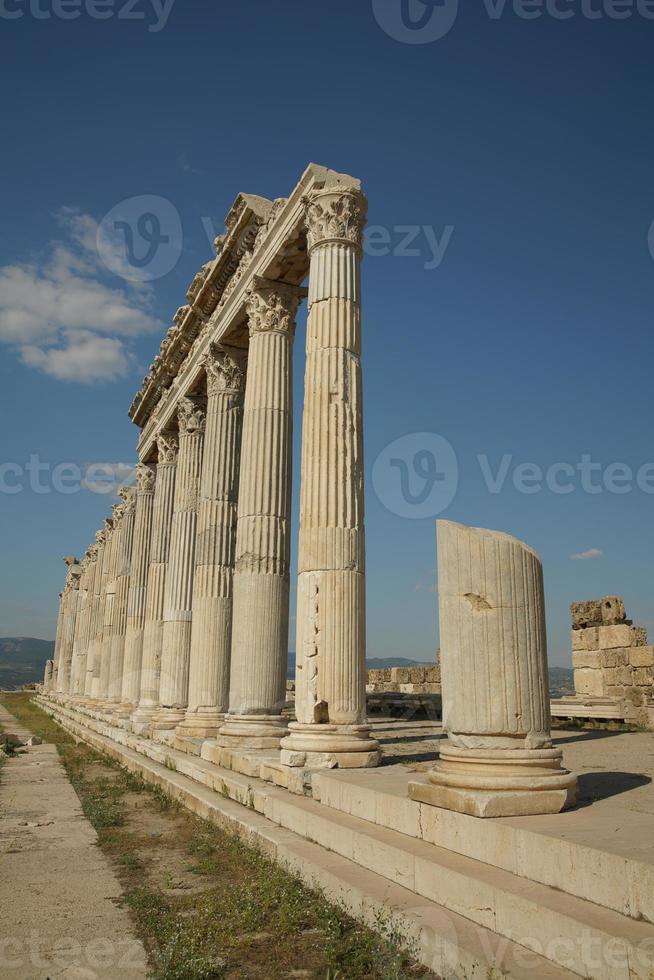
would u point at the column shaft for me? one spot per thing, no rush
(178, 596)
(261, 575)
(330, 643)
(216, 536)
(140, 560)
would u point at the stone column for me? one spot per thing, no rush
(101, 591)
(58, 641)
(330, 685)
(47, 676)
(261, 575)
(140, 560)
(80, 645)
(178, 596)
(498, 759)
(164, 490)
(216, 536)
(113, 549)
(69, 601)
(122, 573)
(100, 537)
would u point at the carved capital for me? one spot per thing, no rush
(145, 478)
(224, 373)
(167, 447)
(271, 306)
(128, 496)
(191, 417)
(70, 560)
(335, 216)
(100, 537)
(108, 526)
(92, 552)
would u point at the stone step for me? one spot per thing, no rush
(450, 944)
(578, 853)
(571, 932)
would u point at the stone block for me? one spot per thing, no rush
(614, 658)
(642, 656)
(589, 681)
(433, 675)
(622, 635)
(400, 675)
(643, 676)
(586, 658)
(595, 612)
(591, 638)
(625, 676)
(615, 691)
(578, 639)
(635, 695)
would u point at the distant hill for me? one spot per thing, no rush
(22, 659)
(561, 681)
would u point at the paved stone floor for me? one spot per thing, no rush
(58, 894)
(616, 776)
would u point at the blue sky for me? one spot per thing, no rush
(520, 331)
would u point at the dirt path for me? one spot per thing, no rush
(58, 892)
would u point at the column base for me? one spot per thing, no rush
(141, 720)
(251, 731)
(200, 724)
(167, 719)
(328, 746)
(498, 782)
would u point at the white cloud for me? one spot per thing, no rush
(108, 477)
(589, 555)
(65, 317)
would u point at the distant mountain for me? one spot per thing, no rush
(561, 681)
(375, 663)
(22, 659)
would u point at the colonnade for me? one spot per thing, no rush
(175, 622)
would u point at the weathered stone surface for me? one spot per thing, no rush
(597, 612)
(498, 759)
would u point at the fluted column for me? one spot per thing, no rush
(70, 603)
(178, 595)
(139, 563)
(164, 492)
(261, 574)
(47, 676)
(100, 537)
(101, 591)
(109, 576)
(80, 644)
(330, 681)
(498, 758)
(123, 565)
(58, 642)
(211, 628)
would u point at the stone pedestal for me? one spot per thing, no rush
(330, 647)
(164, 493)
(498, 759)
(138, 577)
(211, 629)
(178, 600)
(261, 576)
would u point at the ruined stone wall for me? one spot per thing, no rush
(611, 657)
(404, 680)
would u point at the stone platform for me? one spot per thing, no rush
(554, 896)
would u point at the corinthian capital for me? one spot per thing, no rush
(128, 496)
(167, 447)
(271, 306)
(191, 417)
(224, 372)
(335, 216)
(101, 537)
(145, 477)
